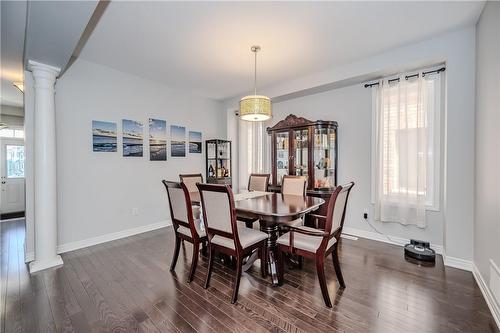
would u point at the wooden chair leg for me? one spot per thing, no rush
(320, 267)
(210, 266)
(176, 253)
(194, 261)
(281, 267)
(263, 260)
(300, 260)
(204, 250)
(237, 279)
(336, 265)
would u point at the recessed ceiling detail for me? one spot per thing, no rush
(173, 42)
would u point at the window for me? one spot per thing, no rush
(12, 133)
(406, 148)
(253, 150)
(15, 161)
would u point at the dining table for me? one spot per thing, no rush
(271, 210)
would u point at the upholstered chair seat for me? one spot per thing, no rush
(248, 237)
(305, 242)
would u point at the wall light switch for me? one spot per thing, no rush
(135, 211)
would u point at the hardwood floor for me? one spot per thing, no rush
(125, 286)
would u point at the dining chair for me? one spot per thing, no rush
(258, 182)
(190, 180)
(294, 185)
(317, 244)
(186, 226)
(224, 235)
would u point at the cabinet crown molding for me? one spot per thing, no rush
(292, 121)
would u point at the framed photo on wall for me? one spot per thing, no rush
(132, 138)
(103, 136)
(157, 140)
(177, 141)
(195, 142)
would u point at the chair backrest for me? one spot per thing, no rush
(190, 180)
(258, 182)
(337, 208)
(294, 185)
(180, 206)
(218, 212)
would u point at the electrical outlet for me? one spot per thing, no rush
(135, 211)
(365, 216)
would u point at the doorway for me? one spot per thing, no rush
(12, 160)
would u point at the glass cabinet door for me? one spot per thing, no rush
(224, 159)
(301, 152)
(282, 145)
(324, 157)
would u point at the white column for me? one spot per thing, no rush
(45, 195)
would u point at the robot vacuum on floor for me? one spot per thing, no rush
(420, 250)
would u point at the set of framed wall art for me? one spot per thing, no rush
(105, 139)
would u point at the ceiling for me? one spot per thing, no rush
(44, 31)
(12, 31)
(54, 29)
(204, 47)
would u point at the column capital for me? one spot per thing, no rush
(43, 71)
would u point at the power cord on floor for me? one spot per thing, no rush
(386, 236)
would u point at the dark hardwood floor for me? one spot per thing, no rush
(125, 286)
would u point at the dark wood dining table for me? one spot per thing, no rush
(272, 210)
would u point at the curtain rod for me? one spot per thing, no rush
(442, 69)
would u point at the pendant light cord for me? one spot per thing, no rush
(255, 74)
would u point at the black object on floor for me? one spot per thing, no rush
(8, 216)
(420, 250)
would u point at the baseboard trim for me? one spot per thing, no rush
(394, 240)
(37, 266)
(459, 263)
(490, 300)
(110, 237)
(453, 262)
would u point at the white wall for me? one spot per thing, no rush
(12, 115)
(457, 50)
(487, 190)
(97, 191)
(351, 107)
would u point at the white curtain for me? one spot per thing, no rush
(406, 146)
(253, 150)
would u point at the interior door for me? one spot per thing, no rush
(12, 197)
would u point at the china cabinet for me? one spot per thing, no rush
(305, 148)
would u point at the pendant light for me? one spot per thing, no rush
(255, 107)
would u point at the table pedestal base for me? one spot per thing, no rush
(271, 229)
